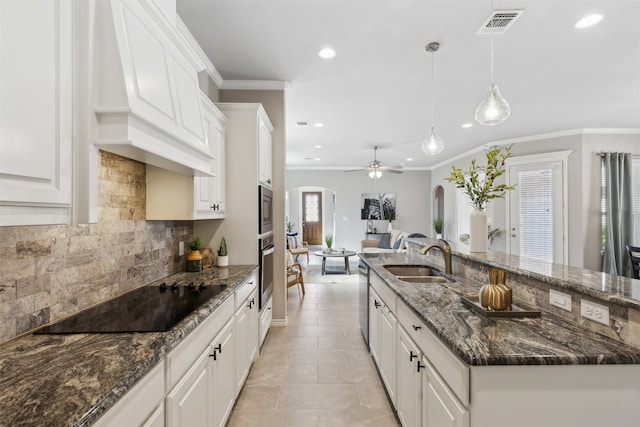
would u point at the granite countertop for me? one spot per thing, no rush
(620, 290)
(70, 380)
(477, 340)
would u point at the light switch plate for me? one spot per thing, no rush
(596, 312)
(560, 300)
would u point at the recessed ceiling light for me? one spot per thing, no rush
(326, 53)
(318, 124)
(317, 146)
(467, 125)
(589, 20)
(409, 159)
(317, 158)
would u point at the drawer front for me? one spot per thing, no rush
(182, 357)
(454, 371)
(388, 295)
(243, 291)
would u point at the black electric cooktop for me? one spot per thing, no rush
(146, 309)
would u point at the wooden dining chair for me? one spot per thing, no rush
(294, 274)
(634, 256)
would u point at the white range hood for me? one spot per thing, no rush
(148, 99)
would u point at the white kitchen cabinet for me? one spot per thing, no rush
(440, 405)
(190, 401)
(387, 351)
(374, 305)
(222, 360)
(175, 196)
(141, 406)
(409, 380)
(247, 326)
(266, 315)
(264, 153)
(36, 91)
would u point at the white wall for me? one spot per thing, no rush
(583, 187)
(412, 189)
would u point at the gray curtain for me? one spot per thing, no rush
(619, 214)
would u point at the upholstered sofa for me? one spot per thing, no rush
(395, 243)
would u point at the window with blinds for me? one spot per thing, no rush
(536, 214)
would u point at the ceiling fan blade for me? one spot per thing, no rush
(356, 170)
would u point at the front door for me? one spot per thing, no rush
(312, 217)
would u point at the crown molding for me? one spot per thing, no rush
(254, 85)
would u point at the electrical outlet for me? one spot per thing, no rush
(560, 300)
(596, 312)
(180, 248)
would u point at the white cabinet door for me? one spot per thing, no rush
(409, 381)
(223, 374)
(375, 304)
(156, 419)
(242, 346)
(190, 402)
(265, 320)
(35, 112)
(264, 154)
(253, 327)
(387, 351)
(441, 408)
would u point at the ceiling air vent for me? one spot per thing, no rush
(302, 123)
(500, 21)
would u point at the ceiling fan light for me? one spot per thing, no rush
(432, 144)
(494, 109)
(375, 174)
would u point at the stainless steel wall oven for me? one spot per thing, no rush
(266, 248)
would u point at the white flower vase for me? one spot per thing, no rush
(478, 231)
(389, 228)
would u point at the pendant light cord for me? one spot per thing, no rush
(433, 93)
(492, 41)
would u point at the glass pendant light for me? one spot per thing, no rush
(432, 144)
(375, 174)
(494, 109)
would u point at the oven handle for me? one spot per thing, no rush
(268, 251)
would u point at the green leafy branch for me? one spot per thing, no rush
(479, 190)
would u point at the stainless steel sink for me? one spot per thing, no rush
(411, 270)
(424, 279)
(417, 274)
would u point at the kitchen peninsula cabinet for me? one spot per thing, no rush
(36, 91)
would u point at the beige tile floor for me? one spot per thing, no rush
(316, 371)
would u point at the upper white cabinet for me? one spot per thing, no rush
(264, 152)
(174, 196)
(35, 112)
(148, 102)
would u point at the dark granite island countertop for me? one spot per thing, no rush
(71, 380)
(548, 340)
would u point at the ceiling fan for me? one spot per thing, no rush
(376, 167)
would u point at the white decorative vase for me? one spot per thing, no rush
(389, 228)
(223, 261)
(478, 231)
(438, 235)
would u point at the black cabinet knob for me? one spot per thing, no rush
(416, 327)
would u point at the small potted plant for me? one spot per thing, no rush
(438, 226)
(328, 239)
(194, 258)
(223, 256)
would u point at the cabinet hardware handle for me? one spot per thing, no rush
(218, 348)
(213, 355)
(416, 327)
(420, 366)
(412, 356)
(376, 303)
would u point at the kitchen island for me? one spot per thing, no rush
(478, 371)
(72, 380)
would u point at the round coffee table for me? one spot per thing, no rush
(335, 254)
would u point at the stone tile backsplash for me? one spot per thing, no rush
(48, 272)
